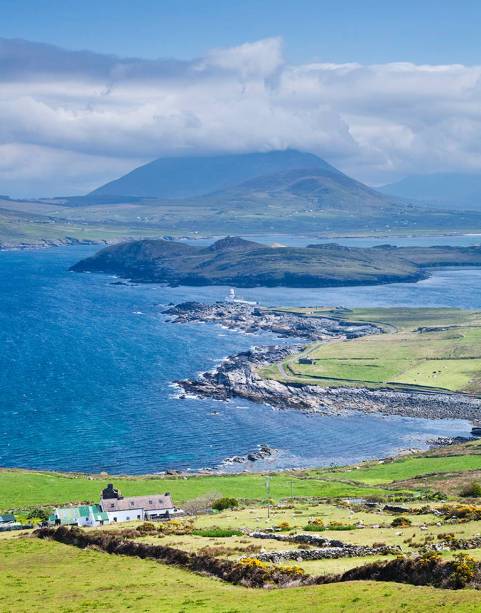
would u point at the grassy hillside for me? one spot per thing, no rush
(19, 489)
(426, 348)
(22, 488)
(234, 261)
(25, 228)
(67, 579)
(280, 192)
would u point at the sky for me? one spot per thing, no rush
(89, 90)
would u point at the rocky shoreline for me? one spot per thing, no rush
(253, 318)
(237, 375)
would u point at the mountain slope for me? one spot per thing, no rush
(307, 188)
(448, 190)
(187, 177)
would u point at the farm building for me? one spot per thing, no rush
(7, 518)
(119, 508)
(84, 515)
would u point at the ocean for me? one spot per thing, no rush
(86, 369)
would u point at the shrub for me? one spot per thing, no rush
(255, 563)
(463, 512)
(38, 514)
(314, 528)
(293, 569)
(429, 558)
(216, 532)
(464, 569)
(472, 490)
(336, 525)
(284, 526)
(401, 522)
(201, 504)
(225, 503)
(147, 527)
(176, 527)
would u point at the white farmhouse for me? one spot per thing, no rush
(119, 508)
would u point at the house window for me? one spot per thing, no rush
(138, 516)
(115, 519)
(128, 518)
(112, 505)
(150, 502)
(131, 504)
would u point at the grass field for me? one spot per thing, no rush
(19, 231)
(48, 576)
(19, 489)
(421, 348)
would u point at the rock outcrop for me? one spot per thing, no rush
(237, 375)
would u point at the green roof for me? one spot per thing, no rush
(68, 515)
(71, 515)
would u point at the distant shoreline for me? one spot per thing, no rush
(74, 242)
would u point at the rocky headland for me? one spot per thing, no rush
(237, 375)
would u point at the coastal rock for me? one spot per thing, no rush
(253, 318)
(263, 452)
(237, 375)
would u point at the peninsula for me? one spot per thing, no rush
(410, 362)
(244, 263)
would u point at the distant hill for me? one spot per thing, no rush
(308, 189)
(457, 191)
(188, 177)
(241, 263)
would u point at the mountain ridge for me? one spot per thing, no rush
(449, 190)
(193, 176)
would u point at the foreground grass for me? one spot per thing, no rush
(47, 576)
(444, 356)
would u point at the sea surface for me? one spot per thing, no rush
(86, 370)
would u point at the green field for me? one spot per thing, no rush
(35, 230)
(19, 489)
(48, 576)
(421, 348)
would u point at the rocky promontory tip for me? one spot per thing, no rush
(238, 376)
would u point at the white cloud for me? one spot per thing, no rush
(71, 120)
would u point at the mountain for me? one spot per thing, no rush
(309, 189)
(456, 191)
(188, 177)
(242, 263)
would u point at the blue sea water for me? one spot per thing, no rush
(86, 367)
